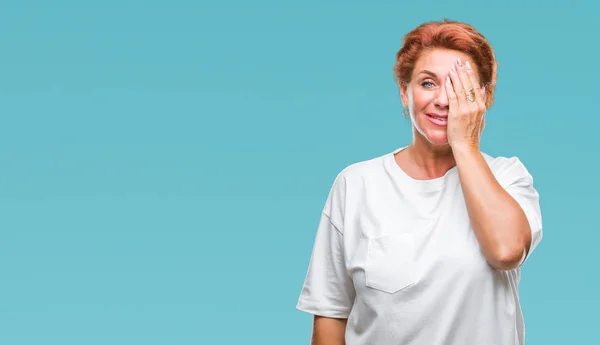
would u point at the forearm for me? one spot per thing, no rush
(328, 331)
(500, 224)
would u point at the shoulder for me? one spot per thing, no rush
(348, 180)
(360, 170)
(507, 169)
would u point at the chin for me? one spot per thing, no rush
(437, 137)
(433, 134)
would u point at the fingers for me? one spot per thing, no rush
(451, 94)
(465, 80)
(478, 91)
(458, 89)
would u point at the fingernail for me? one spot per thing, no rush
(459, 62)
(468, 66)
(453, 69)
(448, 80)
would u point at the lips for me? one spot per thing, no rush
(437, 116)
(437, 119)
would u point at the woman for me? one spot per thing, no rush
(424, 245)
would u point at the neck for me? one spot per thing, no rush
(431, 161)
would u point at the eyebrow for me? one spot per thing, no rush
(428, 72)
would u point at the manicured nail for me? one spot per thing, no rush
(459, 62)
(448, 80)
(468, 66)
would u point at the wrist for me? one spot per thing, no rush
(465, 150)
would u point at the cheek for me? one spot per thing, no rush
(423, 99)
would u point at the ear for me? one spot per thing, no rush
(483, 94)
(404, 95)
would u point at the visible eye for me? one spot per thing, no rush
(427, 84)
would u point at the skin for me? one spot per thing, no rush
(499, 223)
(430, 154)
(328, 331)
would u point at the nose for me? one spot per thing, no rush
(441, 99)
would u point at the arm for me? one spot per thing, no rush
(328, 331)
(500, 224)
(505, 214)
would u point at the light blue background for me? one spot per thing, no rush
(163, 163)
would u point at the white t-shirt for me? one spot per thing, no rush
(399, 259)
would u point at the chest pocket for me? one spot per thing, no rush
(391, 265)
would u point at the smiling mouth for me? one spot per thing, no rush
(437, 117)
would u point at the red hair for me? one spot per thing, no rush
(453, 35)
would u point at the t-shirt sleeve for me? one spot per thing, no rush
(517, 181)
(328, 289)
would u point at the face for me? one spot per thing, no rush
(425, 95)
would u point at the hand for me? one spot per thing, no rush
(466, 116)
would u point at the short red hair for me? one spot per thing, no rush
(448, 34)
